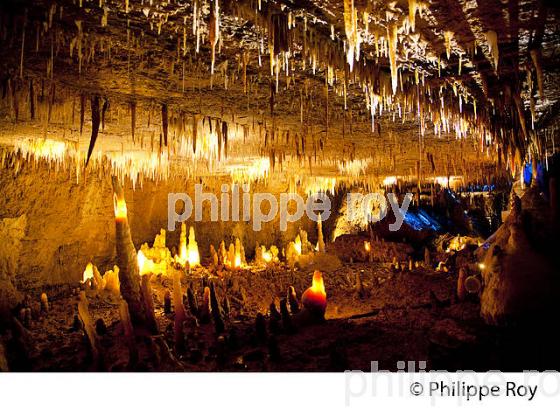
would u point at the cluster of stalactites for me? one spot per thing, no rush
(353, 38)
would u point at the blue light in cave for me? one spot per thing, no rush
(420, 220)
(528, 174)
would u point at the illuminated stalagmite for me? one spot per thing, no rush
(129, 273)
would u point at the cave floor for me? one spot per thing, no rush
(399, 316)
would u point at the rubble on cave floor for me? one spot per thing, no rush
(395, 316)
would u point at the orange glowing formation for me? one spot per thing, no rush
(315, 298)
(88, 273)
(120, 208)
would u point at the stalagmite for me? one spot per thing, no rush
(292, 300)
(129, 274)
(44, 302)
(320, 241)
(214, 256)
(427, 258)
(275, 317)
(260, 327)
(180, 315)
(3, 359)
(100, 327)
(259, 254)
(287, 323)
(192, 249)
(99, 282)
(192, 301)
(183, 255)
(112, 283)
(205, 310)
(149, 304)
(461, 291)
(167, 302)
(128, 330)
(216, 311)
(353, 100)
(359, 286)
(88, 326)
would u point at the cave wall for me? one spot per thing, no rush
(51, 226)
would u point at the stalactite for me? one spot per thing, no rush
(220, 138)
(271, 98)
(392, 37)
(448, 36)
(15, 101)
(245, 62)
(164, 122)
(278, 39)
(104, 17)
(104, 109)
(214, 31)
(31, 100)
(492, 40)
(225, 137)
(52, 93)
(22, 45)
(95, 122)
(133, 120)
(78, 40)
(351, 29)
(536, 58)
(412, 7)
(194, 132)
(82, 112)
(521, 115)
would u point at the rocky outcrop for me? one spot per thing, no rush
(517, 262)
(12, 231)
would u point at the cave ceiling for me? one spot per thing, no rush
(291, 89)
